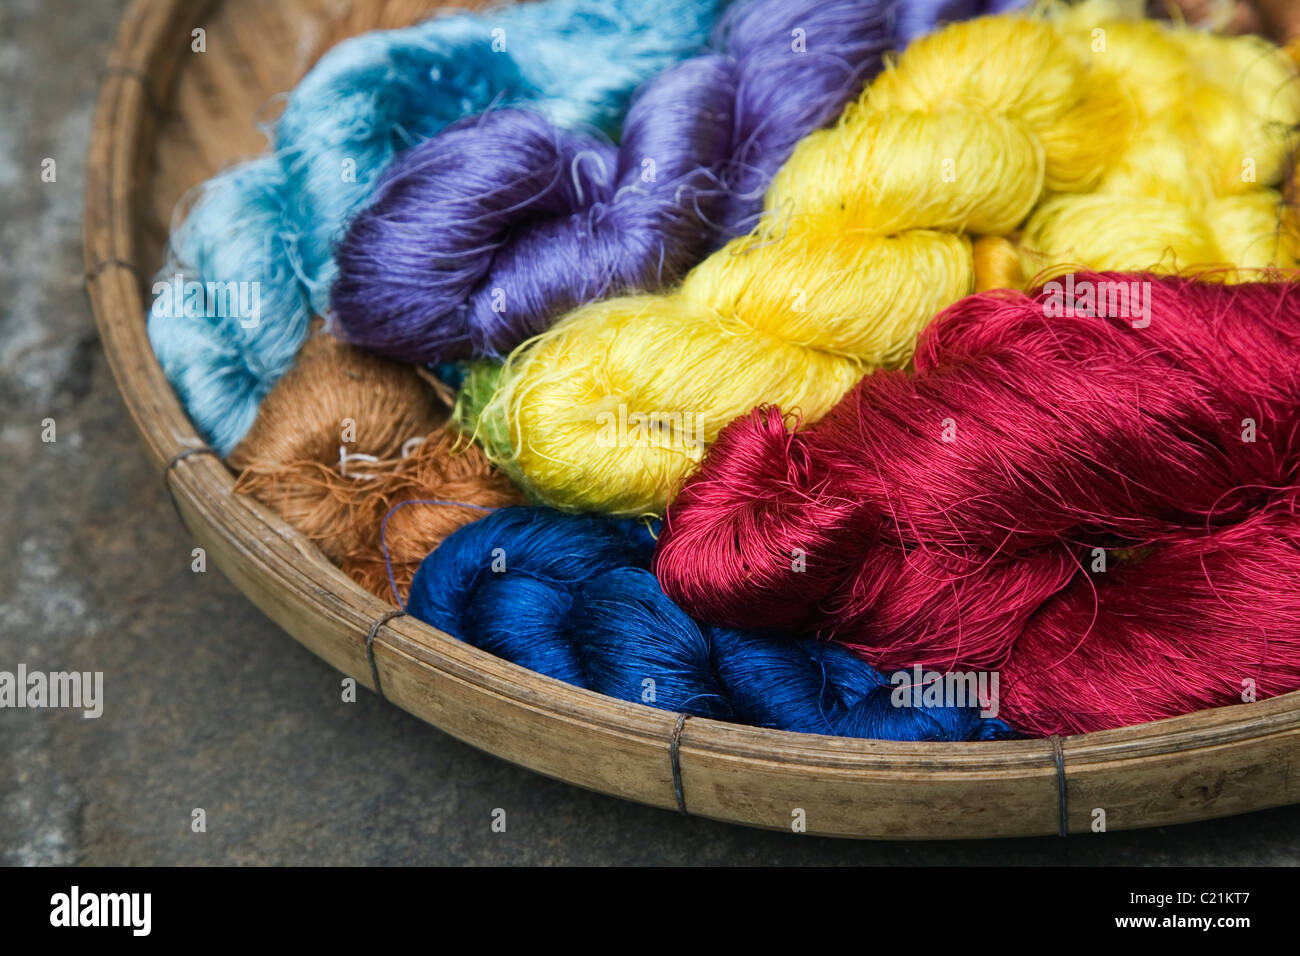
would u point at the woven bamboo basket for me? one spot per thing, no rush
(167, 119)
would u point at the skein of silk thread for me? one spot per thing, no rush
(570, 597)
(343, 439)
(954, 518)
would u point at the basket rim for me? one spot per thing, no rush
(134, 84)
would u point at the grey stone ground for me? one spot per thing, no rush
(209, 704)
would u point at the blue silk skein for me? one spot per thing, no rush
(570, 596)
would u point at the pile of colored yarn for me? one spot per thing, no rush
(267, 228)
(1101, 506)
(1105, 509)
(984, 129)
(454, 259)
(570, 597)
(348, 449)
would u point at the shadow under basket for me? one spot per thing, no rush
(168, 117)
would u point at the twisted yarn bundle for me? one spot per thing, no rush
(1095, 505)
(347, 448)
(570, 597)
(869, 236)
(454, 259)
(266, 229)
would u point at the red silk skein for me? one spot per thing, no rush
(1047, 469)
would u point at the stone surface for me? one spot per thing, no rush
(210, 705)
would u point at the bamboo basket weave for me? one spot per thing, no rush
(167, 119)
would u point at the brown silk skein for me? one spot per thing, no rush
(339, 400)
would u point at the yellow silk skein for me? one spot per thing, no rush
(1051, 138)
(1216, 130)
